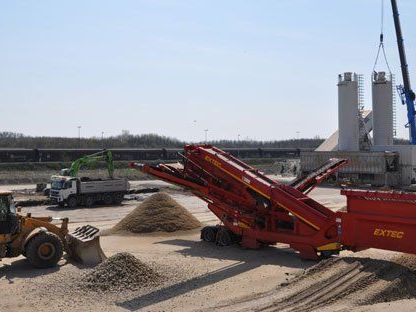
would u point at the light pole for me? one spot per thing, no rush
(194, 131)
(206, 136)
(238, 145)
(102, 139)
(79, 136)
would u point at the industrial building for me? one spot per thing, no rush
(365, 137)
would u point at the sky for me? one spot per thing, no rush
(263, 70)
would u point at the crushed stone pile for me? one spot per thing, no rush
(120, 272)
(159, 212)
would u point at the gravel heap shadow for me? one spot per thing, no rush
(159, 212)
(120, 272)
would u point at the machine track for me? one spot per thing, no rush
(343, 281)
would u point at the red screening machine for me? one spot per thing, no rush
(255, 210)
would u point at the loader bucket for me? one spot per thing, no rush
(84, 245)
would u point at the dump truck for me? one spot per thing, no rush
(74, 191)
(257, 211)
(71, 190)
(43, 240)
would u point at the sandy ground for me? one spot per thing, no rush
(198, 275)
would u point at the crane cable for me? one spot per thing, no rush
(381, 44)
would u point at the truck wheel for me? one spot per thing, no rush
(224, 237)
(44, 250)
(89, 201)
(118, 198)
(72, 202)
(108, 199)
(209, 233)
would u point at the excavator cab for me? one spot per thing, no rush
(8, 218)
(65, 172)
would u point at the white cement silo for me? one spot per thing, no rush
(382, 88)
(348, 112)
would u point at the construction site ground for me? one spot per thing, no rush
(198, 276)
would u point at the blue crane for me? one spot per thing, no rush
(405, 91)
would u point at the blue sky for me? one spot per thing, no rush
(261, 69)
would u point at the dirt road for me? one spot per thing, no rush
(198, 275)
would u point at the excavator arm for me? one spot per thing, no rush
(104, 155)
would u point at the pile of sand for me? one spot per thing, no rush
(160, 212)
(120, 272)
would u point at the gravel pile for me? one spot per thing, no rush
(120, 272)
(159, 212)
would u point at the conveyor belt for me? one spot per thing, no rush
(308, 183)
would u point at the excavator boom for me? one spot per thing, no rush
(104, 155)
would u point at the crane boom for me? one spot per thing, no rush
(406, 93)
(400, 45)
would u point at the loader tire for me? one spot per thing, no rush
(44, 250)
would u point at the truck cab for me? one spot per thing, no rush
(62, 187)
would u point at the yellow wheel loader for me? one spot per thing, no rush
(42, 240)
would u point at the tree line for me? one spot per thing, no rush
(127, 140)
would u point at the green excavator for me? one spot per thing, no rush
(104, 155)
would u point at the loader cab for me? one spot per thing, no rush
(8, 216)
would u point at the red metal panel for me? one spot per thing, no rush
(369, 231)
(381, 206)
(392, 195)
